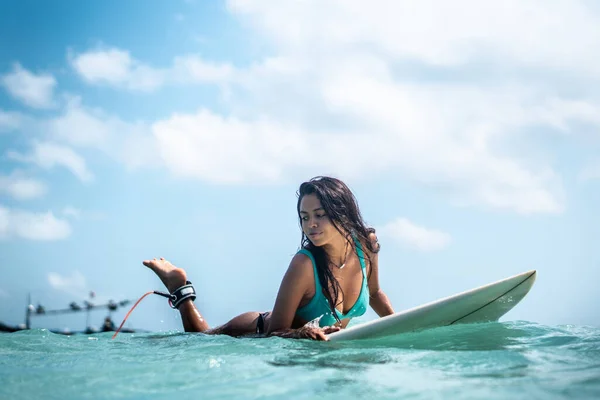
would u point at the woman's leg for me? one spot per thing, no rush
(173, 278)
(243, 324)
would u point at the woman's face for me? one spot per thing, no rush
(316, 225)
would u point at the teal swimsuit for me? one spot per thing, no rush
(319, 306)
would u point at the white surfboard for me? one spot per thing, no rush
(483, 304)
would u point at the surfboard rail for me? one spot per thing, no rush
(482, 304)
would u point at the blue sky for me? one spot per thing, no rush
(133, 130)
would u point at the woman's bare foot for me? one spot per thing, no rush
(170, 275)
(174, 278)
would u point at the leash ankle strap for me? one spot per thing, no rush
(181, 294)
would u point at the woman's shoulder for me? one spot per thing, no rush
(303, 257)
(300, 270)
(302, 261)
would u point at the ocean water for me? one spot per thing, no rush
(509, 360)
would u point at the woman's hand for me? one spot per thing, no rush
(306, 332)
(315, 333)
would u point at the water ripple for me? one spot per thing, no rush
(493, 361)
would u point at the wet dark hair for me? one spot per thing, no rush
(341, 208)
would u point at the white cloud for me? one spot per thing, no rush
(72, 212)
(431, 150)
(4, 222)
(32, 226)
(417, 237)
(590, 172)
(33, 90)
(79, 126)
(357, 90)
(78, 214)
(75, 284)
(534, 33)
(49, 155)
(212, 148)
(137, 148)
(445, 134)
(22, 188)
(115, 67)
(195, 69)
(435, 103)
(10, 121)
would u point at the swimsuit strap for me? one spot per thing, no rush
(314, 264)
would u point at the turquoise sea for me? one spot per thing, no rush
(509, 360)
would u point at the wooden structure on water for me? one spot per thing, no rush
(40, 311)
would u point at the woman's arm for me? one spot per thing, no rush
(380, 303)
(378, 300)
(293, 287)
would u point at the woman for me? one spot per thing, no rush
(338, 253)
